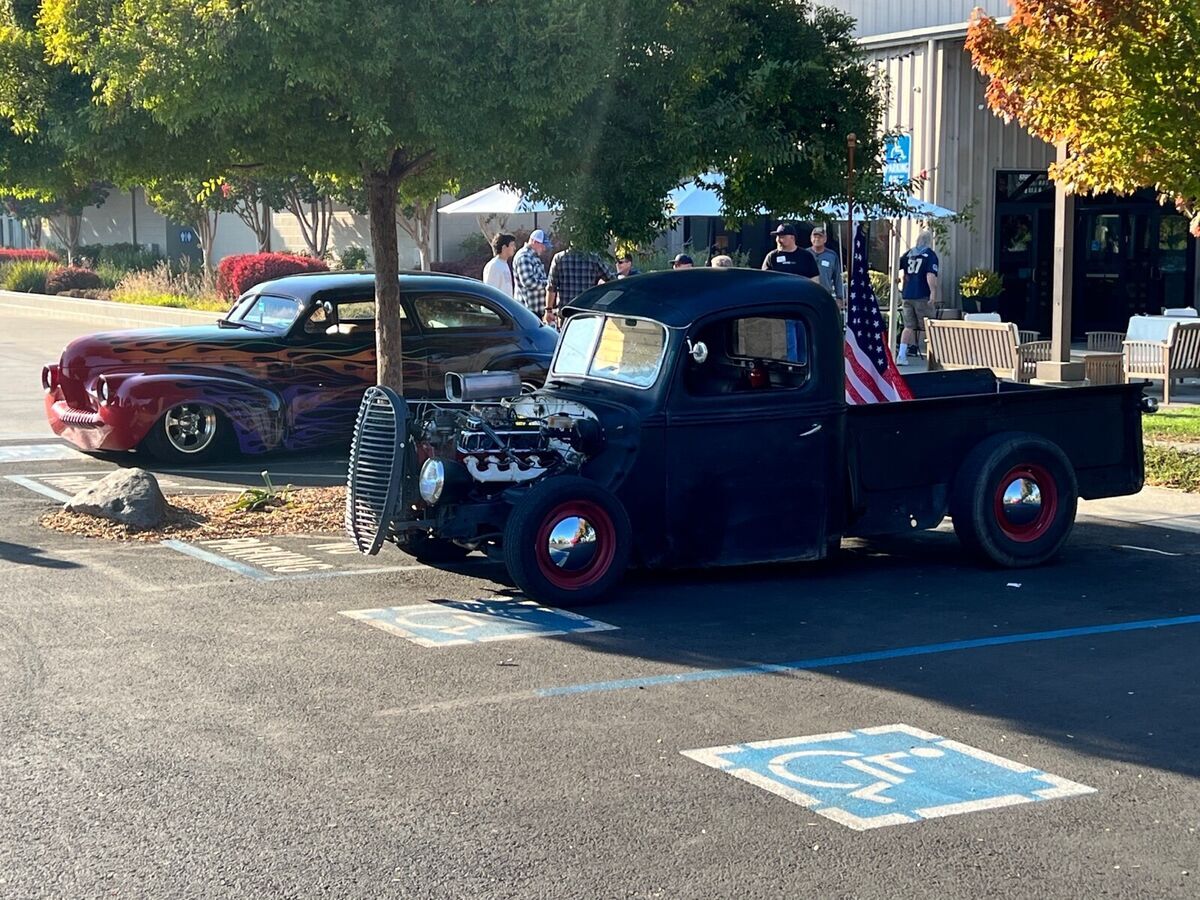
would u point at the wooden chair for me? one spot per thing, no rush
(1176, 358)
(990, 345)
(1105, 341)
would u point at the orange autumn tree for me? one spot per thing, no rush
(1117, 81)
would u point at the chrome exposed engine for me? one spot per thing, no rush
(511, 441)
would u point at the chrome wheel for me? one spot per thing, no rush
(572, 543)
(190, 428)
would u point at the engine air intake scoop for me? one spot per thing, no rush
(482, 386)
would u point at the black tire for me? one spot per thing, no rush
(567, 574)
(1014, 499)
(428, 549)
(166, 442)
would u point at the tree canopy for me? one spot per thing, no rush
(1117, 81)
(601, 105)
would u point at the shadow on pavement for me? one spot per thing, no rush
(32, 556)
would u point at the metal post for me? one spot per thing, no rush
(133, 215)
(893, 287)
(848, 247)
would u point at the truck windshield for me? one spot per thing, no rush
(613, 348)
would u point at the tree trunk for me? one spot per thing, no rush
(33, 230)
(381, 207)
(67, 234)
(206, 230)
(257, 218)
(418, 227)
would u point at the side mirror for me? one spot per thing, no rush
(698, 352)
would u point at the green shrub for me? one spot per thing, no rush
(112, 274)
(353, 258)
(27, 276)
(981, 283)
(124, 256)
(72, 278)
(161, 287)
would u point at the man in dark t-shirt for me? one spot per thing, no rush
(787, 257)
(919, 271)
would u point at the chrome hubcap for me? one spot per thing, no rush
(1022, 502)
(190, 427)
(572, 544)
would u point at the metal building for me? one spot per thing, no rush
(1132, 255)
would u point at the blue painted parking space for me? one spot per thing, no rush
(886, 775)
(452, 623)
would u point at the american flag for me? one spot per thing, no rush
(871, 373)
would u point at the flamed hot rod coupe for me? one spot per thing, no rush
(698, 418)
(286, 367)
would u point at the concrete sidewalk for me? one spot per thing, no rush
(1156, 507)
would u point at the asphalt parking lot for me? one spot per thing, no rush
(283, 718)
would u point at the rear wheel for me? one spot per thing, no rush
(188, 433)
(568, 542)
(1014, 500)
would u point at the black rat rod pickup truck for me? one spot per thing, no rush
(698, 418)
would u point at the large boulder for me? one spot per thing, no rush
(129, 496)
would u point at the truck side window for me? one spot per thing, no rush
(750, 353)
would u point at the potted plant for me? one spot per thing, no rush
(981, 288)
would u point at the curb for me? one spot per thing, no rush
(101, 312)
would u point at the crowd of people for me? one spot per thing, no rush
(521, 274)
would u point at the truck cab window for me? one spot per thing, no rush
(751, 353)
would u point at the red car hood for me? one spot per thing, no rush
(196, 345)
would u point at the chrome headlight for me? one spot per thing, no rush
(432, 481)
(103, 389)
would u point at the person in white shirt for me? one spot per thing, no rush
(498, 272)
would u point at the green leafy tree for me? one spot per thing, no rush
(192, 203)
(370, 90)
(417, 205)
(1117, 81)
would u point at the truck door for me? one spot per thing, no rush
(750, 474)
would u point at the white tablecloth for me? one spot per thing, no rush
(1150, 328)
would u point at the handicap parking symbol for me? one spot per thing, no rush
(886, 775)
(452, 623)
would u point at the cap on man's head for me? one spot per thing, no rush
(818, 229)
(785, 228)
(682, 260)
(540, 236)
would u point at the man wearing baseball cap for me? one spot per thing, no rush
(787, 257)
(529, 275)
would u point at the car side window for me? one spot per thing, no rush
(750, 354)
(450, 312)
(349, 317)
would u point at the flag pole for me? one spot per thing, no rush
(851, 143)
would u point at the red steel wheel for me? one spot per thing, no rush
(1026, 502)
(567, 542)
(575, 544)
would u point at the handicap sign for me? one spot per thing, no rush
(452, 623)
(897, 159)
(886, 775)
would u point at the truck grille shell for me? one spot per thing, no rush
(374, 482)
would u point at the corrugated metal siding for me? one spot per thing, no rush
(877, 17)
(968, 144)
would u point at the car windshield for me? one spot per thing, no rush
(613, 348)
(268, 311)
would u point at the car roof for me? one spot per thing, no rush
(680, 297)
(308, 285)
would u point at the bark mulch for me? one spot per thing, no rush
(199, 517)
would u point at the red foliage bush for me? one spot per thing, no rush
(8, 254)
(237, 274)
(72, 278)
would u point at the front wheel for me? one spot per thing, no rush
(1014, 500)
(188, 433)
(568, 542)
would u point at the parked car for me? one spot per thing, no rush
(284, 369)
(697, 419)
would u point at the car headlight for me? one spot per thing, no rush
(432, 481)
(103, 390)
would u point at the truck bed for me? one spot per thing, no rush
(903, 456)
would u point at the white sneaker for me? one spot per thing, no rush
(902, 360)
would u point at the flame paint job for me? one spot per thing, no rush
(279, 390)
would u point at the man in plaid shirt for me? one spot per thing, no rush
(529, 275)
(572, 272)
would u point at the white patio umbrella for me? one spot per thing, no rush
(497, 200)
(701, 200)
